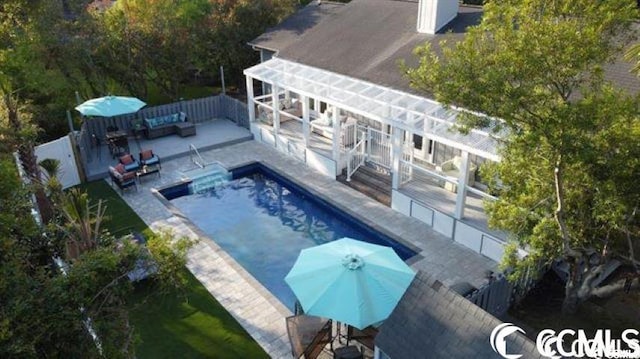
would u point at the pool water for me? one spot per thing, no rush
(263, 222)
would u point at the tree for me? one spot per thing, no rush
(570, 158)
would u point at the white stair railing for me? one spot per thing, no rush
(355, 158)
(195, 156)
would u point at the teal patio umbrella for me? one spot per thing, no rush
(109, 106)
(350, 281)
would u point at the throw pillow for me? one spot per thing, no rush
(126, 159)
(286, 103)
(146, 155)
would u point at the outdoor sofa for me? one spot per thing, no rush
(167, 125)
(292, 107)
(323, 126)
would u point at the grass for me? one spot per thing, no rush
(189, 324)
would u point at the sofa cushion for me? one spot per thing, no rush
(150, 122)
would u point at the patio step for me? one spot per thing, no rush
(371, 183)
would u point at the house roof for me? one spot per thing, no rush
(365, 39)
(290, 29)
(431, 318)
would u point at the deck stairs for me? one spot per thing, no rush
(371, 181)
(561, 268)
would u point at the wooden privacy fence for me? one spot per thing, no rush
(497, 296)
(197, 110)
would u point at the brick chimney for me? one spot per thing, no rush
(433, 15)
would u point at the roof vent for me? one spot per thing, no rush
(433, 15)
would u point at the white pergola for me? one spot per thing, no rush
(400, 110)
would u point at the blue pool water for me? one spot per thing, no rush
(263, 221)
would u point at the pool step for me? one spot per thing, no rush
(203, 179)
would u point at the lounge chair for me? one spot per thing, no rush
(148, 158)
(129, 163)
(122, 178)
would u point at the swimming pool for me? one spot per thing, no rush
(263, 221)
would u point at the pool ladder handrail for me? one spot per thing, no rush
(193, 152)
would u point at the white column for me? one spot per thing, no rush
(396, 154)
(306, 128)
(287, 95)
(250, 105)
(316, 106)
(336, 135)
(275, 102)
(463, 179)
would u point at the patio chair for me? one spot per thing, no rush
(365, 336)
(308, 335)
(129, 163)
(148, 158)
(121, 178)
(118, 146)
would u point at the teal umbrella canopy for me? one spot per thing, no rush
(109, 106)
(350, 281)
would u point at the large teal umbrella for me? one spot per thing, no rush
(110, 106)
(350, 281)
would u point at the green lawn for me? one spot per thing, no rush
(175, 325)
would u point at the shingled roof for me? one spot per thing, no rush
(292, 28)
(365, 39)
(433, 321)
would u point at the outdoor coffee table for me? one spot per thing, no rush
(147, 170)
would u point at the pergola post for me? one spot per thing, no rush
(396, 153)
(251, 106)
(275, 102)
(316, 105)
(463, 179)
(336, 134)
(306, 128)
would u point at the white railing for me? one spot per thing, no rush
(355, 158)
(406, 164)
(439, 177)
(379, 148)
